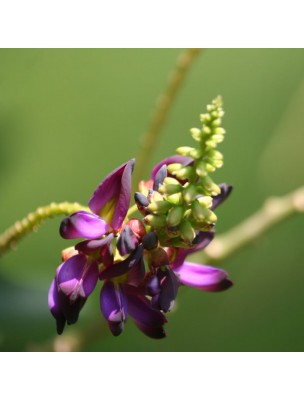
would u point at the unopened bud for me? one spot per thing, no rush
(189, 194)
(175, 216)
(196, 134)
(187, 231)
(159, 207)
(156, 221)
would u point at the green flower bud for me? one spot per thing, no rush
(216, 155)
(170, 186)
(201, 169)
(210, 107)
(184, 173)
(219, 131)
(187, 231)
(210, 168)
(202, 214)
(217, 122)
(206, 130)
(159, 207)
(174, 167)
(156, 221)
(175, 198)
(189, 194)
(175, 216)
(210, 186)
(196, 134)
(205, 201)
(184, 150)
(205, 118)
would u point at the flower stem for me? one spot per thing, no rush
(29, 224)
(163, 104)
(274, 211)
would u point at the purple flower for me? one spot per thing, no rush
(75, 280)
(122, 294)
(109, 205)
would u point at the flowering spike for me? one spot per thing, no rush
(142, 261)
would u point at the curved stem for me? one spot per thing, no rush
(10, 238)
(163, 104)
(274, 211)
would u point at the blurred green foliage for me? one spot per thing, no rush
(68, 117)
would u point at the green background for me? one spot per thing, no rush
(68, 117)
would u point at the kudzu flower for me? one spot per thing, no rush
(141, 262)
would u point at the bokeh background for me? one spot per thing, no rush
(68, 117)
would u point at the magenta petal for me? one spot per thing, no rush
(77, 277)
(83, 224)
(113, 306)
(202, 276)
(90, 246)
(171, 160)
(111, 199)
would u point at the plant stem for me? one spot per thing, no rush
(274, 211)
(163, 105)
(29, 224)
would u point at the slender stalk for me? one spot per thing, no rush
(162, 108)
(29, 224)
(274, 211)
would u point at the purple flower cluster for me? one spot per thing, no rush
(141, 272)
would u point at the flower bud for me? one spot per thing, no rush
(184, 173)
(156, 221)
(175, 216)
(159, 207)
(187, 231)
(189, 194)
(196, 134)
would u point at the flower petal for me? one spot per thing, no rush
(83, 224)
(127, 241)
(122, 267)
(55, 307)
(77, 277)
(201, 241)
(171, 160)
(112, 197)
(225, 192)
(90, 246)
(160, 176)
(169, 286)
(113, 306)
(203, 277)
(148, 320)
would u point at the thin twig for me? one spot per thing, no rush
(274, 211)
(163, 105)
(30, 223)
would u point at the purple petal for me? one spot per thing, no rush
(225, 192)
(55, 307)
(171, 160)
(113, 306)
(203, 277)
(148, 320)
(169, 286)
(201, 241)
(83, 224)
(77, 277)
(160, 176)
(137, 273)
(112, 197)
(122, 267)
(127, 241)
(90, 246)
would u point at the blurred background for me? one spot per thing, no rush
(68, 117)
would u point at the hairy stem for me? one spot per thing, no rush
(163, 104)
(30, 223)
(274, 211)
